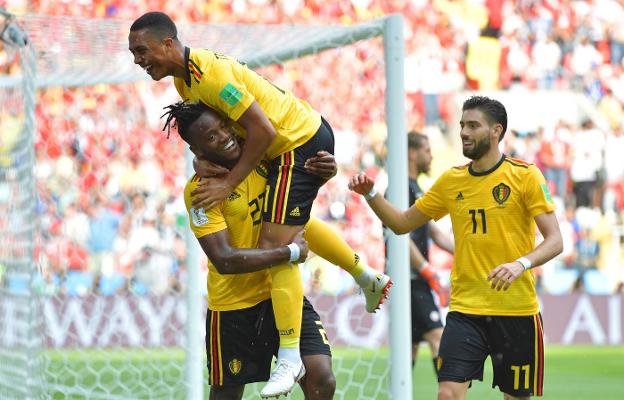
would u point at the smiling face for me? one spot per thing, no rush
(477, 134)
(152, 53)
(212, 138)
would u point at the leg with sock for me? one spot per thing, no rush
(324, 241)
(287, 298)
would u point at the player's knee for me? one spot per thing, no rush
(445, 393)
(321, 385)
(226, 392)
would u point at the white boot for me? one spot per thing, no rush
(283, 379)
(376, 292)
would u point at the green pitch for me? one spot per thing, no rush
(572, 373)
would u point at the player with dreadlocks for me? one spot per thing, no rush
(241, 335)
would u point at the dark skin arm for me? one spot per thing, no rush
(260, 135)
(323, 165)
(232, 260)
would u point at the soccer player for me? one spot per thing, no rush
(426, 318)
(228, 235)
(495, 203)
(276, 125)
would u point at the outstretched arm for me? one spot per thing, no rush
(398, 221)
(233, 260)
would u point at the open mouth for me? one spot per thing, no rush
(229, 145)
(148, 68)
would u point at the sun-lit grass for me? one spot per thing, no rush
(572, 373)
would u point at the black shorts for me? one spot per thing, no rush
(241, 344)
(515, 345)
(425, 313)
(290, 188)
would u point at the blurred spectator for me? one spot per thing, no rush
(554, 158)
(613, 199)
(585, 57)
(587, 146)
(586, 253)
(546, 56)
(103, 228)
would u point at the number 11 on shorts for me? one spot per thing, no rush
(516, 370)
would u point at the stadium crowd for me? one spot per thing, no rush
(110, 184)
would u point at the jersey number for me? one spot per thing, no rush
(517, 370)
(322, 332)
(473, 214)
(255, 206)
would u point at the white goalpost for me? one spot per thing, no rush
(139, 346)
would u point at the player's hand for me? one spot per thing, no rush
(361, 184)
(210, 192)
(303, 246)
(503, 275)
(208, 169)
(323, 165)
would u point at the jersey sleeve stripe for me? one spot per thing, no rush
(517, 163)
(461, 166)
(196, 67)
(194, 71)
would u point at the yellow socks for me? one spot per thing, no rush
(287, 297)
(324, 241)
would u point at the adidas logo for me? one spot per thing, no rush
(233, 196)
(295, 212)
(460, 196)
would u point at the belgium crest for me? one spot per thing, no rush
(235, 366)
(501, 193)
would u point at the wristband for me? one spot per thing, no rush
(295, 252)
(368, 196)
(525, 262)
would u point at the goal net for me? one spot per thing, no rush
(94, 248)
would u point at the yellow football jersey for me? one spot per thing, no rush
(241, 214)
(230, 87)
(493, 222)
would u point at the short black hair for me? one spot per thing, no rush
(494, 110)
(158, 23)
(415, 140)
(181, 115)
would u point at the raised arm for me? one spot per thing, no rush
(231, 260)
(398, 221)
(260, 135)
